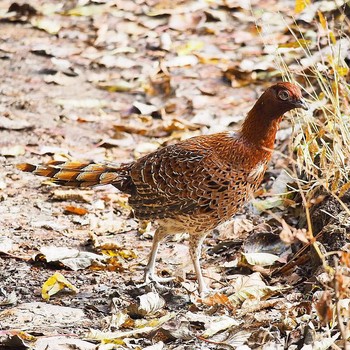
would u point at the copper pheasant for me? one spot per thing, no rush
(196, 184)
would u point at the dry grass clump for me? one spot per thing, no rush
(322, 145)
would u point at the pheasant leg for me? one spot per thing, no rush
(195, 253)
(149, 275)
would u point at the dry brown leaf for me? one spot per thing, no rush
(73, 195)
(291, 235)
(70, 209)
(217, 299)
(324, 307)
(185, 21)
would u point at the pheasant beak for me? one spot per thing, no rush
(301, 104)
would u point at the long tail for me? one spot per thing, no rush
(78, 174)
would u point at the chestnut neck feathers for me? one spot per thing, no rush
(260, 131)
(262, 121)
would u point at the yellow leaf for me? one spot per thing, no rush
(332, 37)
(344, 189)
(117, 86)
(127, 254)
(295, 44)
(109, 252)
(323, 158)
(300, 5)
(47, 24)
(87, 11)
(322, 20)
(54, 284)
(342, 71)
(211, 60)
(189, 47)
(144, 226)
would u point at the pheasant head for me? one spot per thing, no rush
(262, 121)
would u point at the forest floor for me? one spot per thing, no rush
(110, 81)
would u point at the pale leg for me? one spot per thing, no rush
(195, 252)
(149, 275)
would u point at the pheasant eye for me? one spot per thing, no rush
(283, 95)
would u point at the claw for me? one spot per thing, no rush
(205, 292)
(152, 278)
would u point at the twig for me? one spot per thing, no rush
(342, 329)
(262, 304)
(215, 342)
(12, 256)
(292, 262)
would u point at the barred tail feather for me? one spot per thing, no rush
(75, 174)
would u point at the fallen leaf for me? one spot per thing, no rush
(8, 299)
(81, 103)
(296, 44)
(251, 287)
(73, 195)
(324, 343)
(264, 248)
(290, 235)
(212, 324)
(87, 11)
(324, 307)
(151, 302)
(63, 343)
(190, 47)
(217, 299)
(6, 244)
(218, 324)
(119, 319)
(14, 124)
(117, 86)
(70, 257)
(107, 336)
(12, 151)
(260, 259)
(145, 109)
(60, 79)
(48, 24)
(54, 284)
(182, 61)
(49, 225)
(300, 5)
(157, 346)
(43, 316)
(185, 21)
(126, 254)
(111, 61)
(70, 209)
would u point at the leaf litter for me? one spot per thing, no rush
(112, 81)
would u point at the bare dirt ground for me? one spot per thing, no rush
(112, 81)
